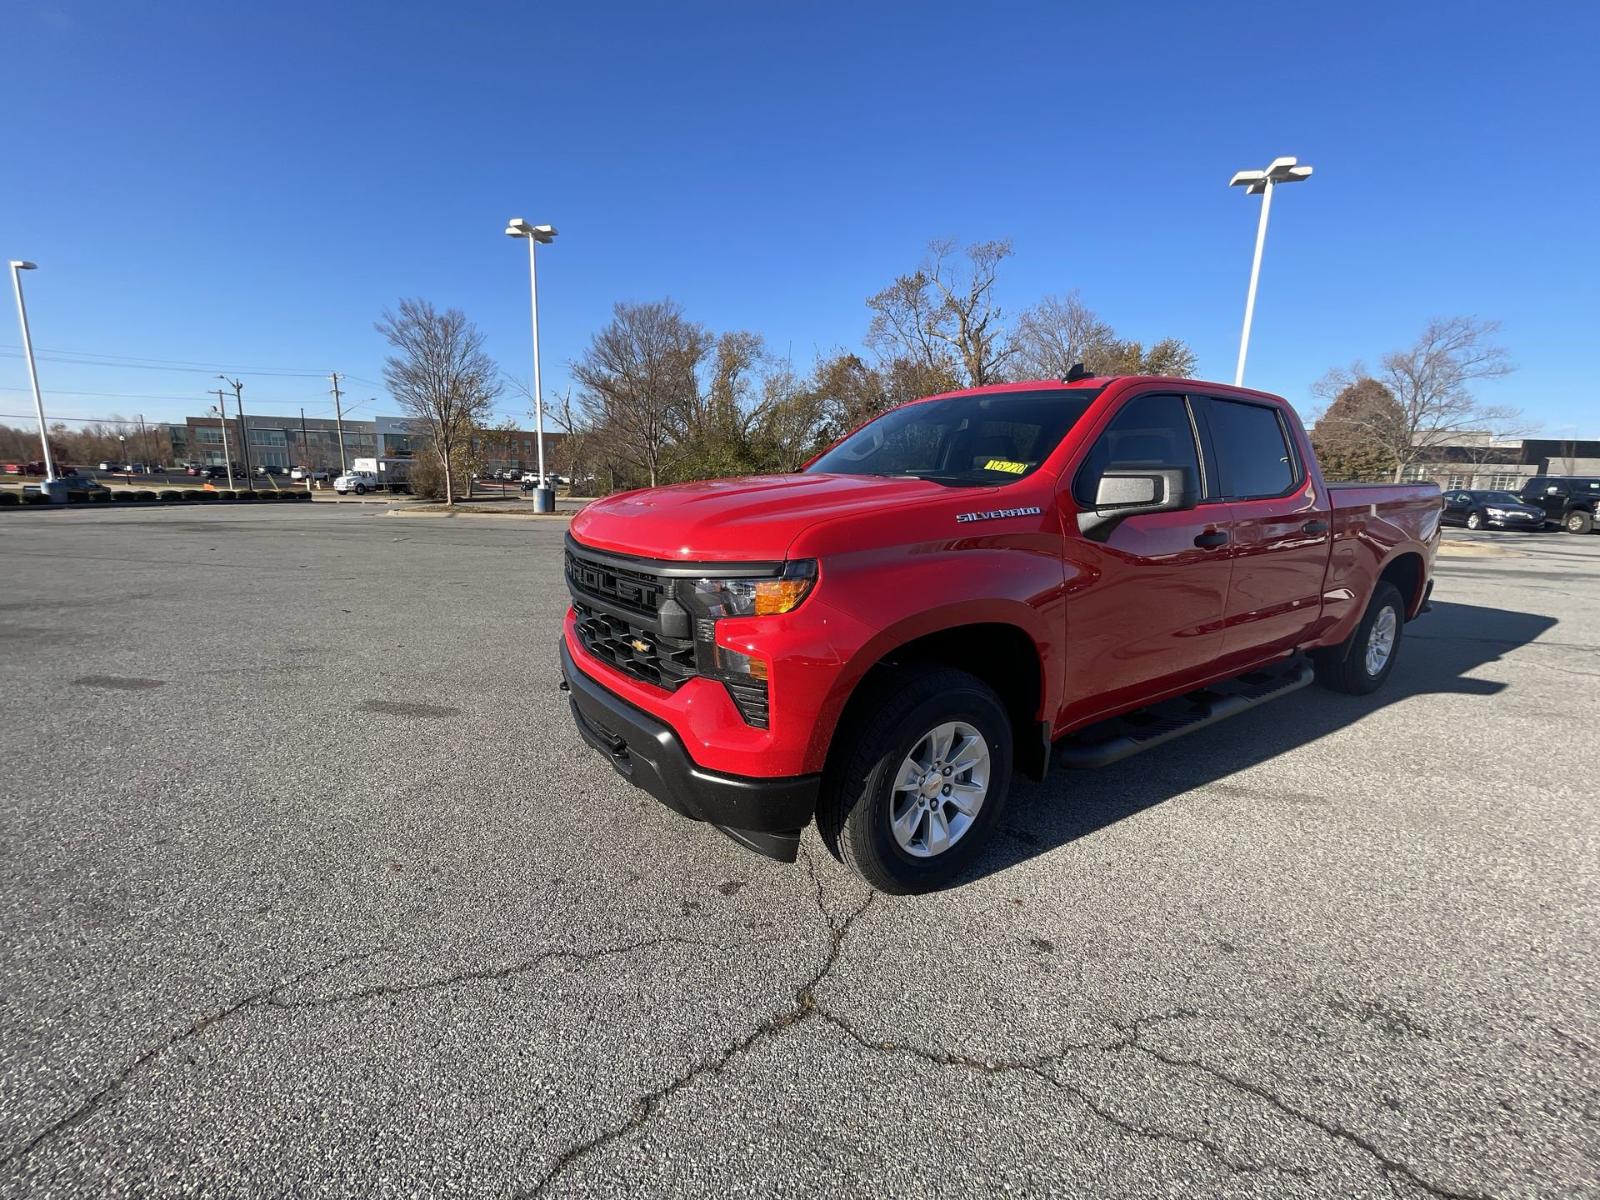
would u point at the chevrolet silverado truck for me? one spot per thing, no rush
(971, 585)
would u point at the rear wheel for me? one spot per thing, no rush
(1578, 522)
(1475, 520)
(1362, 662)
(919, 780)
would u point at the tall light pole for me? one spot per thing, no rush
(1261, 183)
(536, 235)
(17, 265)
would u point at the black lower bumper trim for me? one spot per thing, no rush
(765, 815)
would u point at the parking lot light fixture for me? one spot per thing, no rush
(536, 235)
(18, 266)
(1261, 183)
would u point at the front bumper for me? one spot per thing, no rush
(765, 815)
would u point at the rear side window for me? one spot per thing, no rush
(1148, 431)
(1252, 452)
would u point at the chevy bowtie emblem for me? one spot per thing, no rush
(639, 644)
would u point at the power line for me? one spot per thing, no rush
(92, 356)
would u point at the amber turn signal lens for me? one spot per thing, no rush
(775, 596)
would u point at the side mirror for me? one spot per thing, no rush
(1123, 494)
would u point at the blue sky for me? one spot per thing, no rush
(249, 186)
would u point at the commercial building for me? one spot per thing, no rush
(1478, 460)
(284, 442)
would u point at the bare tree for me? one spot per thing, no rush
(1060, 331)
(638, 380)
(787, 426)
(945, 312)
(1431, 385)
(441, 378)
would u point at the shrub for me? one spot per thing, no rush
(169, 494)
(190, 496)
(9, 497)
(244, 495)
(34, 498)
(143, 496)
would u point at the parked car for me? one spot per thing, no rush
(1478, 509)
(11, 468)
(80, 486)
(968, 585)
(1570, 501)
(106, 466)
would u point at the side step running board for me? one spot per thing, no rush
(1112, 741)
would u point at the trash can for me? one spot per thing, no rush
(544, 499)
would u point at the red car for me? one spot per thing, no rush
(973, 584)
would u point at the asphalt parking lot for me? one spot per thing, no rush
(310, 888)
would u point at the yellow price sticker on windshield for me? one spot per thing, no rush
(1006, 465)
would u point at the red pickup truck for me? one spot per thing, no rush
(972, 584)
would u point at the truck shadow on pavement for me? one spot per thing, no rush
(1438, 652)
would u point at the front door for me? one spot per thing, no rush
(1144, 607)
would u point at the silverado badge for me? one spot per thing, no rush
(994, 514)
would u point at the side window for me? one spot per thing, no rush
(1253, 455)
(1148, 431)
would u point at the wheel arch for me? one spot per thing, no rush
(1408, 572)
(1002, 653)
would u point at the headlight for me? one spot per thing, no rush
(716, 598)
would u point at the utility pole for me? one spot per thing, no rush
(244, 435)
(338, 421)
(305, 450)
(222, 413)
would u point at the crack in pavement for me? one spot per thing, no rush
(1390, 1166)
(1037, 1067)
(486, 974)
(109, 1093)
(272, 997)
(804, 1008)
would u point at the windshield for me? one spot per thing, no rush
(965, 441)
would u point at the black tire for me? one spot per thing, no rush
(886, 723)
(360, 489)
(1578, 522)
(1344, 667)
(1475, 520)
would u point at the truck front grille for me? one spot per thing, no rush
(633, 649)
(636, 591)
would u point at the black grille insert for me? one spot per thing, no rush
(640, 652)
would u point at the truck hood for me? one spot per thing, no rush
(750, 519)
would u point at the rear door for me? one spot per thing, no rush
(1144, 606)
(1281, 528)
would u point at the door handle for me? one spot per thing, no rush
(1212, 537)
(1314, 527)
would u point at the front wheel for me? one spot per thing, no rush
(1474, 520)
(361, 489)
(1579, 522)
(919, 778)
(1361, 663)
